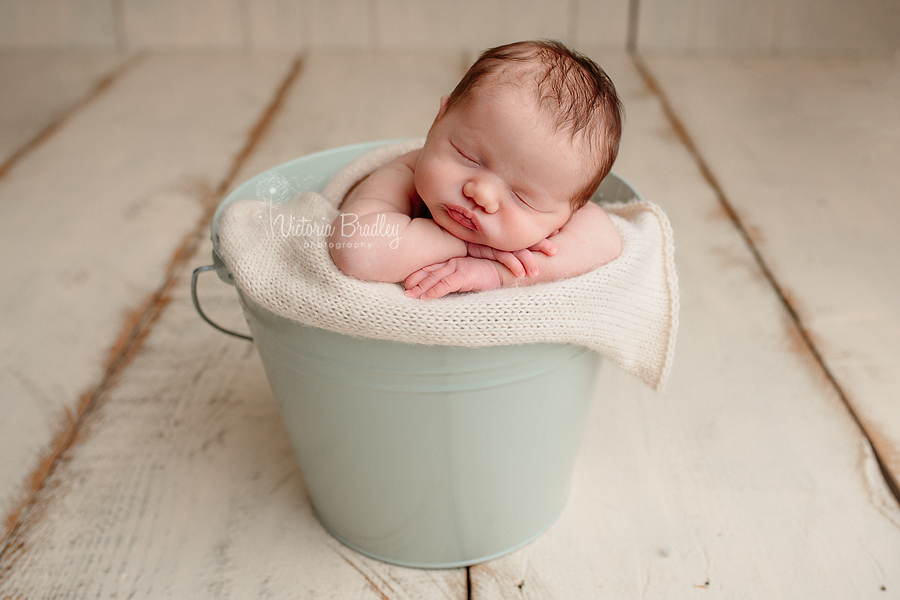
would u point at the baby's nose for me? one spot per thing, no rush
(483, 195)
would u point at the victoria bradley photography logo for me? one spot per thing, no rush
(277, 190)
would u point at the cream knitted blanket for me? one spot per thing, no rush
(627, 309)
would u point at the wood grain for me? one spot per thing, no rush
(202, 496)
(805, 150)
(89, 221)
(183, 484)
(747, 478)
(351, 97)
(40, 87)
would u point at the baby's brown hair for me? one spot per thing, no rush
(571, 87)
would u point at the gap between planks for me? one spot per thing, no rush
(47, 132)
(805, 336)
(140, 322)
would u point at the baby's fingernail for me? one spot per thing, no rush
(533, 272)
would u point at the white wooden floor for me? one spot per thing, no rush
(143, 455)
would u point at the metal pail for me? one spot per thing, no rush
(423, 456)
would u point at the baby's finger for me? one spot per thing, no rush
(528, 262)
(445, 286)
(417, 276)
(545, 246)
(429, 281)
(513, 262)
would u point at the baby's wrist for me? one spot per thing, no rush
(506, 277)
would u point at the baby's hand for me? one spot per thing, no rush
(520, 263)
(464, 274)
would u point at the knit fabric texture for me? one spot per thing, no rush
(627, 309)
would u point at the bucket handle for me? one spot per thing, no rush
(197, 272)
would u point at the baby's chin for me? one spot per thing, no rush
(467, 235)
(504, 245)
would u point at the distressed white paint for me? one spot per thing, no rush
(89, 221)
(351, 97)
(747, 473)
(211, 502)
(37, 87)
(183, 484)
(807, 151)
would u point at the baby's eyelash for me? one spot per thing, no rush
(465, 156)
(523, 201)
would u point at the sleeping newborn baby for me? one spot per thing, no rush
(499, 194)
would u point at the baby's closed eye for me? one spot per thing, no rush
(465, 156)
(522, 198)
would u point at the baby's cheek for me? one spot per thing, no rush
(425, 187)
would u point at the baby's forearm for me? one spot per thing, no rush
(587, 241)
(389, 246)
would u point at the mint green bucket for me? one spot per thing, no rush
(422, 456)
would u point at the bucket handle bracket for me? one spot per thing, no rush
(196, 274)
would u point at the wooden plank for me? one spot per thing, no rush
(321, 24)
(471, 25)
(806, 151)
(747, 26)
(747, 478)
(37, 88)
(707, 25)
(352, 97)
(182, 481)
(833, 27)
(753, 26)
(174, 24)
(600, 24)
(89, 221)
(530, 20)
(864, 27)
(57, 24)
(666, 25)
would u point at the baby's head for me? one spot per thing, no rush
(570, 89)
(524, 139)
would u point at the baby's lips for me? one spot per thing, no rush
(464, 217)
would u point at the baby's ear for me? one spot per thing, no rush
(444, 100)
